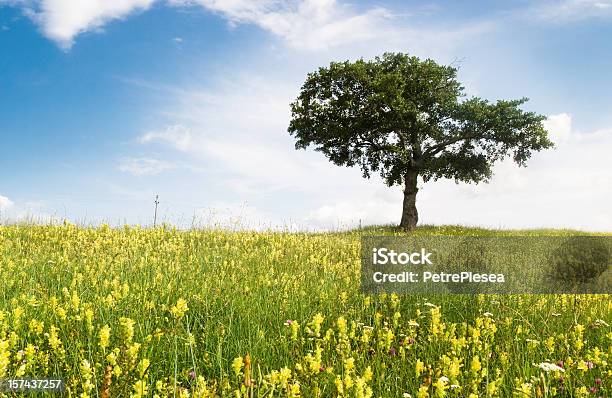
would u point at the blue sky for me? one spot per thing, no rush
(104, 104)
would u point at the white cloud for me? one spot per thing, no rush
(144, 166)
(240, 131)
(62, 20)
(570, 10)
(559, 127)
(324, 24)
(302, 24)
(311, 24)
(305, 24)
(28, 211)
(369, 203)
(176, 135)
(5, 203)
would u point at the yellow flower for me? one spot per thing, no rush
(20, 370)
(5, 357)
(523, 390)
(367, 374)
(349, 364)
(36, 326)
(132, 352)
(475, 366)
(143, 367)
(179, 310)
(30, 351)
(339, 385)
(550, 344)
(367, 301)
(492, 387)
(54, 341)
(105, 336)
(396, 318)
(17, 314)
(394, 300)
(237, 365)
(341, 325)
(295, 328)
(422, 393)
(294, 391)
(284, 375)
(581, 392)
(436, 326)
(316, 323)
(140, 389)
(419, 367)
(86, 375)
(348, 381)
(454, 368)
(61, 313)
(440, 386)
(127, 326)
(89, 314)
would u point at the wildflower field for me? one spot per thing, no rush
(135, 312)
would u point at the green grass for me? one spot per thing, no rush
(242, 287)
(460, 230)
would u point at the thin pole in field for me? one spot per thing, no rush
(155, 216)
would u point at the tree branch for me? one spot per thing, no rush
(434, 149)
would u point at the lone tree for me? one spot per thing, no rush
(404, 118)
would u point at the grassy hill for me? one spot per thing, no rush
(459, 230)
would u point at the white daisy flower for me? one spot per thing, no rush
(550, 367)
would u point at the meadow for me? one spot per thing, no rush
(134, 312)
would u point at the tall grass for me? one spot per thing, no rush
(185, 307)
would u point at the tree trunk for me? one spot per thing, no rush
(410, 215)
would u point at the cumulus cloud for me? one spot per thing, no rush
(5, 203)
(559, 127)
(144, 166)
(29, 211)
(376, 204)
(62, 20)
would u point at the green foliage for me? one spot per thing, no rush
(398, 113)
